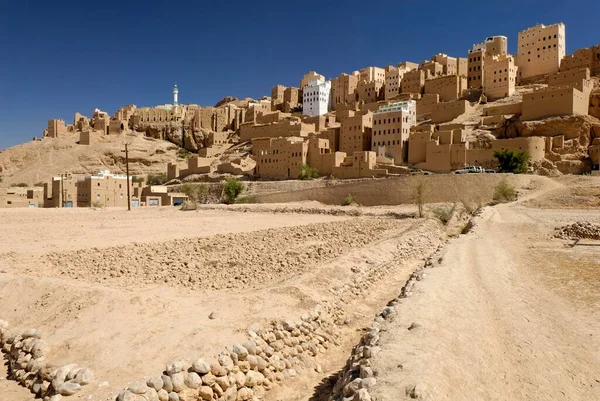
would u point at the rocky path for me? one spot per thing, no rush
(486, 325)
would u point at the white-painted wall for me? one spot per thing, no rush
(316, 98)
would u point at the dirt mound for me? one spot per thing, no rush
(223, 261)
(581, 229)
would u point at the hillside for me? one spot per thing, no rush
(38, 161)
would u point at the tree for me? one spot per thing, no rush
(231, 190)
(307, 172)
(419, 196)
(512, 161)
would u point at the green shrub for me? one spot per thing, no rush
(97, 204)
(156, 179)
(307, 172)
(137, 180)
(231, 190)
(504, 192)
(195, 193)
(183, 153)
(20, 185)
(348, 200)
(444, 214)
(247, 199)
(512, 161)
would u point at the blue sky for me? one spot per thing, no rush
(60, 57)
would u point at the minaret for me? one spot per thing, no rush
(175, 93)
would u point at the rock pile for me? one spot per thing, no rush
(216, 262)
(358, 377)
(581, 229)
(245, 371)
(26, 356)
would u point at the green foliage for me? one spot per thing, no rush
(307, 172)
(419, 196)
(504, 192)
(247, 199)
(20, 185)
(97, 204)
(231, 190)
(512, 161)
(348, 200)
(137, 180)
(444, 214)
(195, 193)
(156, 179)
(183, 153)
(0, 178)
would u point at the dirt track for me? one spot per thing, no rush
(509, 313)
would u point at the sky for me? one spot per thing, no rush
(61, 57)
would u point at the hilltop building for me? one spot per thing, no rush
(316, 98)
(540, 50)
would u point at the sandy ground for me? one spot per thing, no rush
(128, 326)
(509, 313)
(40, 231)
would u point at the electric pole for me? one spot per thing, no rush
(127, 171)
(62, 190)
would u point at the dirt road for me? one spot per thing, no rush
(508, 313)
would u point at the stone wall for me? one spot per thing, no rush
(357, 378)
(25, 355)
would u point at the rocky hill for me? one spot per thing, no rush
(37, 161)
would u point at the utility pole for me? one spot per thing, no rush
(127, 171)
(62, 190)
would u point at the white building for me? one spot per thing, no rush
(316, 98)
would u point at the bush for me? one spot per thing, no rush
(247, 199)
(348, 200)
(183, 153)
(444, 214)
(195, 193)
(420, 195)
(156, 179)
(97, 204)
(307, 172)
(504, 192)
(512, 161)
(231, 190)
(137, 180)
(20, 185)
